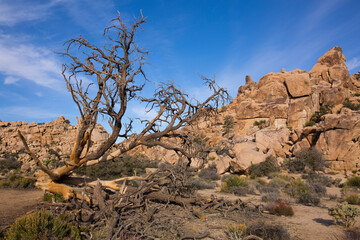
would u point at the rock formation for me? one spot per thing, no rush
(286, 112)
(52, 140)
(279, 115)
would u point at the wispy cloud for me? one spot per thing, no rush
(16, 11)
(19, 61)
(27, 112)
(141, 112)
(11, 80)
(353, 63)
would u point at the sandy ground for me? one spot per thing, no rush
(15, 203)
(307, 223)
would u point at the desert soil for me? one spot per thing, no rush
(15, 203)
(308, 222)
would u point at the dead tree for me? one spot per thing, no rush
(101, 81)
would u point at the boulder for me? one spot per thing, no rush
(298, 85)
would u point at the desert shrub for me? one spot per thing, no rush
(318, 178)
(270, 197)
(353, 181)
(264, 168)
(53, 163)
(53, 152)
(240, 191)
(297, 187)
(352, 106)
(280, 208)
(316, 117)
(9, 163)
(236, 231)
(309, 124)
(268, 231)
(345, 213)
(309, 199)
(233, 181)
(347, 190)
(122, 166)
(209, 173)
(17, 181)
(318, 188)
(337, 182)
(295, 165)
(228, 125)
(43, 225)
(260, 124)
(311, 159)
(201, 184)
(248, 187)
(352, 198)
(49, 197)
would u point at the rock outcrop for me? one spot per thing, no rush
(50, 140)
(279, 115)
(287, 112)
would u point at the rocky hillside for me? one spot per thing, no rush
(50, 141)
(279, 115)
(285, 112)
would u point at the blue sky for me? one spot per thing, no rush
(185, 38)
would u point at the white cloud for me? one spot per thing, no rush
(142, 113)
(16, 11)
(11, 80)
(26, 61)
(28, 112)
(353, 63)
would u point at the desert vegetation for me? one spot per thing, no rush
(223, 177)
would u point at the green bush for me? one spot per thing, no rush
(306, 160)
(316, 117)
(48, 197)
(309, 199)
(17, 181)
(309, 124)
(228, 125)
(122, 166)
(353, 181)
(345, 213)
(233, 181)
(296, 187)
(260, 124)
(42, 225)
(264, 168)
